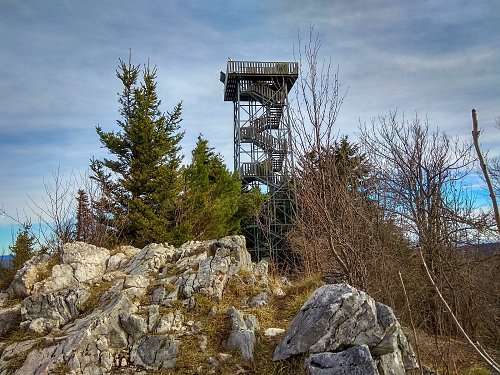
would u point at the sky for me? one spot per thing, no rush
(58, 60)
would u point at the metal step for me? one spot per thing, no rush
(265, 141)
(266, 95)
(260, 172)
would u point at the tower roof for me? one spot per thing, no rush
(251, 71)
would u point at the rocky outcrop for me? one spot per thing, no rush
(95, 312)
(338, 317)
(92, 311)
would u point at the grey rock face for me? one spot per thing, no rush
(334, 316)
(87, 261)
(356, 360)
(155, 352)
(242, 336)
(339, 316)
(27, 276)
(151, 259)
(53, 309)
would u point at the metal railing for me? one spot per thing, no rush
(263, 68)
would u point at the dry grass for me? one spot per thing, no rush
(96, 291)
(448, 355)
(278, 313)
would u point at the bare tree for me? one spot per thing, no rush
(332, 224)
(421, 185)
(421, 174)
(56, 211)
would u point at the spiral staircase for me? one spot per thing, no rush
(259, 92)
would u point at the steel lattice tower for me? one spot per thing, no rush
(262, 156)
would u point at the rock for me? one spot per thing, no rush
(28, 275)
(212, 362)
(60, 278)
(51, 310)
(271, 332)
(134, 325)
(203, 343)
(334, 316)
(15, 350)
(394, 343)
(10, 317)
(137, 281)
(339, 316)
(116, 261)
(88, 261)
(259, 300)
(242, 336)
(153, 316)
(230, 257)
(98, 317)
(391, 364)
(356, 360)
(154, 352)
(165, 295)
(170, 322)
(39, 362)
(151, 258)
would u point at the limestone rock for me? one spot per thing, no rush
(229, 257)
(88, 261)
(155, 352)
(28, 275)
(151, 258)
(170, 322)
(259, 300)
(46, 311)
(334, 316)
(242, 336)
(97, 317)
(61, 277)
(356, 360)
(271, 332)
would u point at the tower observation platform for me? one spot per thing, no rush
(262, 156)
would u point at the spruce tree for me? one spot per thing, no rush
(210, 200)
(23, 248)
(147, 159)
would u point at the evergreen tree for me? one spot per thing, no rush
(211, 203)
(23, 248)
(83, 216)
(147, 161)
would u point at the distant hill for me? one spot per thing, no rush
(483, 248)
(5, 260)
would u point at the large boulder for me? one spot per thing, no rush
(88, 261)
(338, 316)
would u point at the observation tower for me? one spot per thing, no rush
(262, 156)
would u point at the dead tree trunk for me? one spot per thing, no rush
(475, 137)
